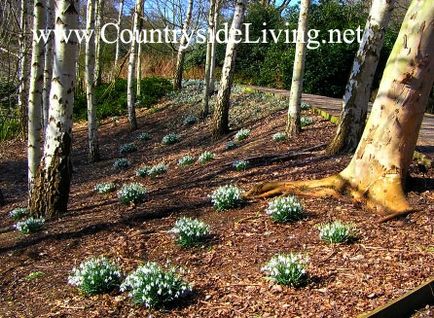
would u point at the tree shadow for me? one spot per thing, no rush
(129, 220)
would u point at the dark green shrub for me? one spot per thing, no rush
(111, 99)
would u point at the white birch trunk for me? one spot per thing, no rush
(48, 68)
(118, 43)
(213, 48)
(98, 26)
(51, 189)
(210, 42)
(221, 113)
(139, 69)
(293, 125)
(139, 56)
(22, 71)
(35, 94)
(358, 90)
(131, 93)
(177, 83)
(90, 84)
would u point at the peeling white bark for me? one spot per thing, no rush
(221, 114)
(131, 93)
(35, 95)
(98, 26)
(118, 43)
(214, 47)
(177, 83)
(293, 125)
(48, 69)
(139, 69)
(209, 56)
(358, 89)
(51, 189)
(90, 84)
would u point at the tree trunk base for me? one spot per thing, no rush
(388, 204)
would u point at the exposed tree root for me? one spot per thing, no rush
(389, 203)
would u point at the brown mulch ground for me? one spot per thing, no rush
(387, 261)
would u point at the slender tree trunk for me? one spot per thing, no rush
(22, 69)
(51, 189)
(213, 49)
(119, 22)
(358, 90)
(220, 121)
(139, 69)
(90, 84)
(139, 57)
(293, 126)
(35, 94)
(177, 83)
(131, 93)
(211, 40)
(98, 24)
(48, 68)
(377, 171)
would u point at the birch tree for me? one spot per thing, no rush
(358, 90)
(22, 69)
(51, 189)
(377, 171)
(48, 68)
(139, 70)
(211, 88)
(139, 56)
(177, 83)
(119, 24)
(98, 26)
(220, 121)
(90, 83)
(131, 93)
(211, 40)
(35, 94)
(293, 126)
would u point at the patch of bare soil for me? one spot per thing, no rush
(345, 280)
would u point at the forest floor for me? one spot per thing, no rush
(386, 261)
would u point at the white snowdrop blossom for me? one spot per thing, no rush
(121, 164)
(287, 269)
(190, 232)
(96, 275)
(190, 120)
(226, 197)
(132, 193)
(285, 209)
(30, 225)
(157, 170)
(306, 121)
(279, 137)
(206, 157)
(242, 134)
(103, 188)
(240, 165)
(152, 286)
(127, 148)
(170, 139)
(186, 161)
(18, 213)
(144, 136)
(336, 232)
